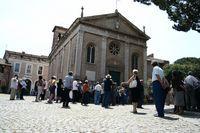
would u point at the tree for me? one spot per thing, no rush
(184, 13)
(184, 65)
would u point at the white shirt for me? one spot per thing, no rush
(157, 71)
(14, 83)
(75, 87)
(98, 87)
(191, 80)
(23, 83)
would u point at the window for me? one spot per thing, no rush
(28, 69)
(1, 69)
(114, 48)
(17, 67)
(40, 69)
(90, 53)
(134, 61)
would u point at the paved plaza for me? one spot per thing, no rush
(20, 116)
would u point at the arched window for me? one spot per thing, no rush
(90, 53)
(134, 61)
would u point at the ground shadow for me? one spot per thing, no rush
(109, 108)
(170, 118)
(188, 114)
(138, 113)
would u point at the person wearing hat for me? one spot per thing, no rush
(107, 91)
(158, 91)
(134, 86)
(68, 84)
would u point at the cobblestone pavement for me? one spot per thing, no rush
(27, 116)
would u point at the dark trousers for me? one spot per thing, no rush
(141, 99)
(159, 98)
(66, 98)
(75, 96)
(106, 99)
(85, 98)
(43, 95)
(197, 95)
(22, 94)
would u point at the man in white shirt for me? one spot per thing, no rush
(13, 87)
(158, 91)
(75, 91)
(97, 93)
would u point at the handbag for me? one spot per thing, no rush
(133, 84)
(165, 84)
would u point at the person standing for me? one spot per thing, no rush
(178, 87)
(97, 93)
(52, 88)
(43, 96)
(158, 91)
(86, 93)
(68, 83)
(23, 88)
(40, 86)
(107, 91)
(192, 92)
(59, 90)
(134, 87)
(13, 87)
(75, 91)
(141, 99)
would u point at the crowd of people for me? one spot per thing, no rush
(186, 92)
(72, 89)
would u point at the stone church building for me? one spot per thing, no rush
(95, 46)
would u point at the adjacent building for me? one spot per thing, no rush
(98, 45)
(27, 66)
(5, 69)
(151, 58)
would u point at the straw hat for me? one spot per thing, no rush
(135, 71)
(108, 76)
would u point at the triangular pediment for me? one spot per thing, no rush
(115, 22)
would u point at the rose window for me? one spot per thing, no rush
(114, 48)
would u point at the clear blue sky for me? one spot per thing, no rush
(26, 25)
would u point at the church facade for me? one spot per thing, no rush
(98, 45)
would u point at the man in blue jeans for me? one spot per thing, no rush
(158, 91)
